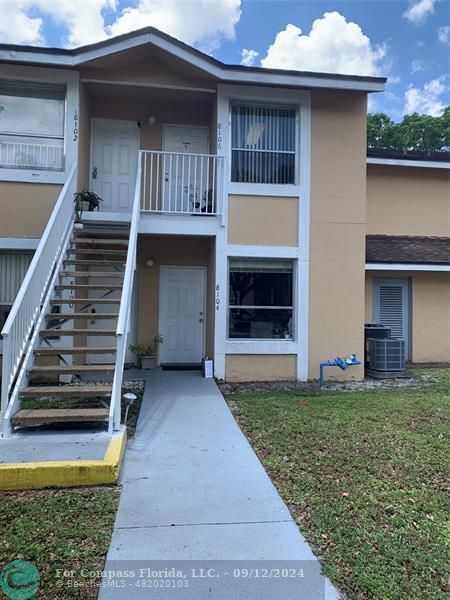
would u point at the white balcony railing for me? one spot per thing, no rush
(31, 155)
(177, 183)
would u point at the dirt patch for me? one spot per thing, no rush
(312, 387)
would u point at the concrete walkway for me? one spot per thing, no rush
(195, 496)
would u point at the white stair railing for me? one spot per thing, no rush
(21, 330)
(123, 322)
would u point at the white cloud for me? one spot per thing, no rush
(417, 65)
(248, 57)
(333, 45)
(394, 79)
(83, 19)
(418, 12)
(444, 34)
(431, 99)
(16, 27)
(203, 22)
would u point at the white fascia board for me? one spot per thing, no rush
(406, 267)
(14, 243)
(399, 162)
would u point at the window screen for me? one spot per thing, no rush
(263, 144)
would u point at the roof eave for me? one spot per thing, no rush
(224, 73)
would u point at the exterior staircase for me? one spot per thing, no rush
(70, 377)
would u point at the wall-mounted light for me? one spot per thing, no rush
(149, 263)
(151, 120)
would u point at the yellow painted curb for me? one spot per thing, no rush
(70, 473)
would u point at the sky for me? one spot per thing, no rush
(407, 41)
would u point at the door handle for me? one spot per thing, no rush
(94, 173)
(200, 320)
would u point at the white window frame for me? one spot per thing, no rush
(294, 152)
(263, 345)
(232, 94)
(71, 120)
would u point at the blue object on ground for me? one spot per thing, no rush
(342, 363)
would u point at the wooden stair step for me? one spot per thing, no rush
(80, 315)
(32, 418)
(100, 241)
(92, 233)
(72, 369)
(75, 350)
(96, 263)
(87, 286)
(66, 391)
(100, 274)
(66, 332)
(97, 251)
(57, 301)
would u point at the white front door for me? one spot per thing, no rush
(181, 314)
(391, 307)
(114, 160)
(184, 177)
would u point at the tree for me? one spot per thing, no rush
(414, 132)
(381, 131)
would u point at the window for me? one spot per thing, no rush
(260, 299)
(263, 144)
(31, 126)
(13, 268)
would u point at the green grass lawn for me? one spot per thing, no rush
(365, 475)
(59, 529)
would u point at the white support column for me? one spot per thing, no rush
(302, 280)
(220, 288)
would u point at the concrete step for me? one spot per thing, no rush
(80, 315)
(58, 301)
(66, 332)
(100, 241)
(66, 391)
(71, 369)
(33, 418)
(87, 286)
(100, 274)
(75, 350)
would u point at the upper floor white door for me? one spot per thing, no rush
(184, 177)
(114, 162)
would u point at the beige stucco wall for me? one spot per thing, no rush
(260, 367)
(25, 208)
(408, 201)
(169, 251)
(430, 312)
(338, 228)
(262, 220)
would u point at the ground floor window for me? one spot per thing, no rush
(260, 299)
(13, 268)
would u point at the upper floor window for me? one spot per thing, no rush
(32, 126)
(263, 141)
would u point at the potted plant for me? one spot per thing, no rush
(81, 199)
(147, 353)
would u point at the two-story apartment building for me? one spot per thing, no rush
(242, 193)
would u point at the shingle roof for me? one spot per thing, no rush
(407, 249)
(408, 155)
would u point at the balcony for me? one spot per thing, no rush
(182, 184)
